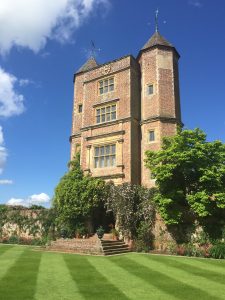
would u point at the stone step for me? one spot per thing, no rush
(114, 246)
(115, 243)
(111, 247)
(116, 252)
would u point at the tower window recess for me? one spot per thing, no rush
(106, 114)
(151, 136)
(80, 108)
(150, 89)
(106, 85)
(105, 156)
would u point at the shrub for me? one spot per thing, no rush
(100, 232)
(13, 239)
(217, 251)
(80, 230)
(115, 233)
(143, 242)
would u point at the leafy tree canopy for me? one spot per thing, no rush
(76, 195)
(190, 175)
(131, 204)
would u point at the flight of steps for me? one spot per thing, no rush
(111, 247)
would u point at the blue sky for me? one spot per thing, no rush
(42, 44)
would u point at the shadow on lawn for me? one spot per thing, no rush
(91, 284)
(161, 281)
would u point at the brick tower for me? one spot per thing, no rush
(160, 100)
(123, 108)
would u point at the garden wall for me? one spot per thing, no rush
(91, 245)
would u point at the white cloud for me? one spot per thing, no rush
(30, 23)
(11, 102)
(195, 3)
(24, 82)
(15, 201)
(5, 181)
(3, 151)
(39, 199)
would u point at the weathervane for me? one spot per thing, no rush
(93, 50)
(156, 20)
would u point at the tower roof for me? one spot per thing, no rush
(156, 40)
(90, 64)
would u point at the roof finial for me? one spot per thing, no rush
(156, 20)
(92, 53)
(93, 50)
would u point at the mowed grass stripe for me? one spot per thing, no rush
(4, 248)
(198, 285)
(91, 283)
(212, 264)
(156, 275)
(9, 255)
(131, 285)
(54, 280)
(192, 268)
(19, 283)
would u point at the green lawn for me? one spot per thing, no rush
(29, 274)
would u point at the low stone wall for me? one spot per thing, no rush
(88, 246)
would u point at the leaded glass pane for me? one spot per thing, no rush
(107, 149)
(107, 161)
(113, 107)
(96, 162)
(113, 160)
(102, 159)
(111, 88)
(113, 115)
(113, 149)
(102, 150)
(150, 89)
(96, 151)
(151, 136)
(107, 117)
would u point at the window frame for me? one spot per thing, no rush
(108, 158)
(149, 135)
(104, 114)
(80, 106)
(147, 89)
(106, 87)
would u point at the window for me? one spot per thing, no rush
(106, 113)
(80, 108)
(151, 136)
(106, 85)
(77, 148)
(105, 156)
(150, 89)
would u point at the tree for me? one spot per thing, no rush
(131, 205)
(190, 175)
(77, 196)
